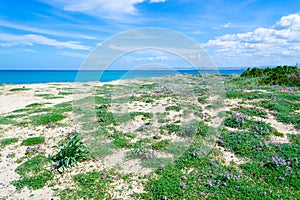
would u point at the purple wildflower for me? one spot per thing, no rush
(182, 184)
(220, 141)
(209, 183)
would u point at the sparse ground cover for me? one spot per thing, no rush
(178, 137)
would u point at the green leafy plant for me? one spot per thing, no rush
(70, 152)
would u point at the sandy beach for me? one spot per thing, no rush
(159, 115)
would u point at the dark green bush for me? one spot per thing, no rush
(280, 75)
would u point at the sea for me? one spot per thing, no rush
(47, 76)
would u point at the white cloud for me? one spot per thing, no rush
(157, 1)
(43, 31)
(279, 42)
(291, 21)
(226, 25)
(74, 54)
(102, 8)
(8, 40)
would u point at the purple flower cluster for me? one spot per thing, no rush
(10, 155)
(146, 153)
(106, 177)
(35, 149)
(182, 184)
(228, 176)
(278, 161)
(219, 139)
(258, 148)
(239, 118)
(260, 130)
(287, 90)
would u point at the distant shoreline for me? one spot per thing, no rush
(48, 76)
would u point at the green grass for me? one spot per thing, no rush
(202, 99)
(33, 141)
(121, 140)
(231, 94)
(196, 170)
(7, 141)
(34, 105)
(65, 93)
(208, 180)
(295, 139)
(99, 149)
(44, 119)
(252, 112)
(33, 173)
(289, 119)
(19, 89)
(194, 128)
(175, 108)
(240, 121)
(43, 95)
(91, 185)
(129, 116)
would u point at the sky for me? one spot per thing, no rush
(60, 34)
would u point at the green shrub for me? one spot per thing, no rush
(280, 75)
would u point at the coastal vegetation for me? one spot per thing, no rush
(176, 137)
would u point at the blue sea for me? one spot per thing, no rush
(46, 76)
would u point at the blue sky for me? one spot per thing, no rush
(59, 34)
